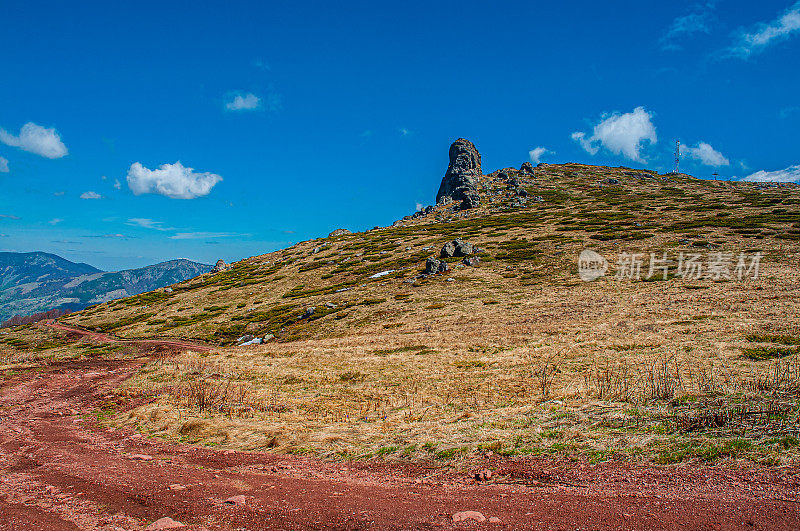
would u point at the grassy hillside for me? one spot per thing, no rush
(517, 355)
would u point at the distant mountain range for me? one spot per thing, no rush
(37, 282)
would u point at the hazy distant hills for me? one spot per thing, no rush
(36, 282)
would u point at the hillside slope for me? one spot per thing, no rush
(529, 235)
(364, 353)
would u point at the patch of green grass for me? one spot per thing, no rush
(781, 339)
(703, 450)
(768, 353)
(386, 450)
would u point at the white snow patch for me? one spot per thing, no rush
(383, 273)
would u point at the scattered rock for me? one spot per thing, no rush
(461, 178)
(494, 520)
(309, 312)
(164, 523)
(422, 212)
(220, 266)
(468, 515)
(239, 499)
(339, 232)
(177, 486)
(457, 247)
(141, 457)
(434, 266)
(526, 168)
(471, 200)
(330, 305)
(612, 181)
(483, 475)
(472, 261)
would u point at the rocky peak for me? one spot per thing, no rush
(461, 180)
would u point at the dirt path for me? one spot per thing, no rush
(99, 336)
(60, 470)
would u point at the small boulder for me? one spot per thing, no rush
(483, 475)
(141, 457)
(611, 180)
(239, 499)
(448, 250)
(339, 232)
(434, 266)
(164, 523)
(472, 261)
(526, 168)
(494, 520)
(463, 516)
(457, 247)
(309, 312)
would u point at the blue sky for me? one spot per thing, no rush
(135, 132)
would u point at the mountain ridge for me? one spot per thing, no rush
(37, 281)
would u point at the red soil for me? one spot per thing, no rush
(60, 470)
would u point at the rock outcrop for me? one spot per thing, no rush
(220, 266)
(461, 180)
(526, 168)
(339, 232)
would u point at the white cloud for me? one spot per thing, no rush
(243, 102)
(9, 216)
(117, 184)
(698, 21)
(148, 223)
(787, 175)
(91, 195)
(788, 111)
(580, 137)
(419, 206)
(201, 235)
(404, 131)
(172, 180)
(537, 153)
(55, 221)
(36, 139)
(767, 33)
(3, 165)
(706, 155)
(622, 134)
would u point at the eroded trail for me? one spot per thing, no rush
(60, 470)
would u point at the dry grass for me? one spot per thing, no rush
(518, 355)
(595, 368)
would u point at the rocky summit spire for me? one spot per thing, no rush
(461, 180)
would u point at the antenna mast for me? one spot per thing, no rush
(677, 156)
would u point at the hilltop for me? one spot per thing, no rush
(365, 343)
